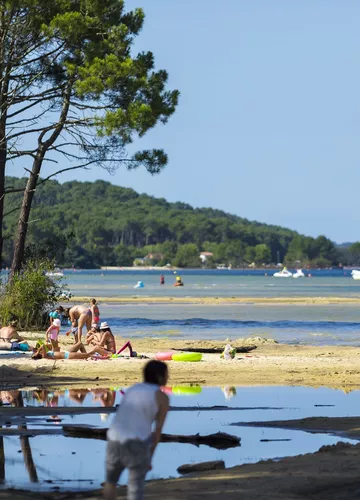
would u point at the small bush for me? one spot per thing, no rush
(30, 295)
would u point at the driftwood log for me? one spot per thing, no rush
(215, 350)
(220, 440)
(201, 467)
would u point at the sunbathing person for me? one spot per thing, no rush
(14, 345)
(103, 338)
(9, 332)
(72, 353)
(93, 335)
(107, 340)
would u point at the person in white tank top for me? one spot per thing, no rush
(131, 442)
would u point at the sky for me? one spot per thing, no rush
(268, 123)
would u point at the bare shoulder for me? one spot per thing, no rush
(162, 399)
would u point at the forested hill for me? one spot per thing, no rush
(103, 224)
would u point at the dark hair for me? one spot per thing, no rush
(93, 301)
(60, 309)
(36, 356)
(155, 372)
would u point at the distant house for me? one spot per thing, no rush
(204, 256)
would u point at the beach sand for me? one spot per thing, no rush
(135, 299)
(269, 364)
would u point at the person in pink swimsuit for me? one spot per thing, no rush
(53, 333)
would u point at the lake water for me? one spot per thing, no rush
(51, 462)
(317, 324)
(211, 284)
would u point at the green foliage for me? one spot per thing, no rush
(354, 251)
(350, 254)
(30, 295)
(89, 224)
(187, 256)
(262, 254)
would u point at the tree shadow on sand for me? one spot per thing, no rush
(14, 378)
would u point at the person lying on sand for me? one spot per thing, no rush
(79, 317)
(9, 332)
(14, 345)
(72, 353)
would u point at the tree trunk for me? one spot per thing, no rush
(2, 198)
(19, 246)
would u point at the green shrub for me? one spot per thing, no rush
(30, 295)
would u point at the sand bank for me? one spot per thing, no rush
(143, 299)
(348, 427)
(269, 364)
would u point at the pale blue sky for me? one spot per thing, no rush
(268, 125)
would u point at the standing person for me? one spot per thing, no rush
(162, 279)
(79, 316)
(53, 333)
(57, 314)
(131, 443)
(94, 311)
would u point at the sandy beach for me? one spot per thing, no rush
(135, 299)
(269, 364)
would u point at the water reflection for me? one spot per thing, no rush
(104, 397)
(58, 398)
(72, 463)
(15, 399)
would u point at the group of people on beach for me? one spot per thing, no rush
(131, 440)
(99, 335)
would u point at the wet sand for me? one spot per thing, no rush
(331, 473)
(269, 364)
(348, 427)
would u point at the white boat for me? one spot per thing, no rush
(299, 274)
(355, 273)
(284, 273)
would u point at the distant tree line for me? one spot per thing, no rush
(92, 224)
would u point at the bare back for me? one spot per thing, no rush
(8, 333)
(77, 311)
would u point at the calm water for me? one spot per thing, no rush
(294, 323)
(68, 463)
